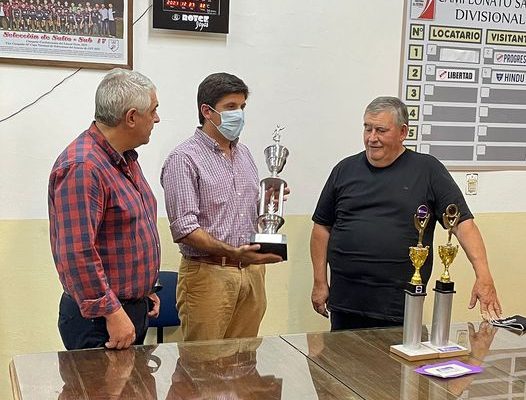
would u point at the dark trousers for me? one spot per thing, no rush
(343, 320)
(113, 28)
(78, 332)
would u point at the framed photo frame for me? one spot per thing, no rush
(85, 33)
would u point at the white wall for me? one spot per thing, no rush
(312, 70)
(311, 66)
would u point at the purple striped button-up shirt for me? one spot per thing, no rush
(205, 189)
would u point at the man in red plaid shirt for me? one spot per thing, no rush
(102, 216)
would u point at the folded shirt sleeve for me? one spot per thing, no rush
(179, 178)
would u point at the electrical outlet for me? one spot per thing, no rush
(472, 183)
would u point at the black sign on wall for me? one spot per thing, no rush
(197, 15)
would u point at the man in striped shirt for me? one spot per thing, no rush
(102, 217)
(211, 189)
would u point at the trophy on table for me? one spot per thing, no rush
(271, 206)
(415, 293)
(444, 290)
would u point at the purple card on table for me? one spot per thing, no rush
(449, 369)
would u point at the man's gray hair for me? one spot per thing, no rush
(392, 104)
(120, 91)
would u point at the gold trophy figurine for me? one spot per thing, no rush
(448, 252)
(415, 293)
(418, 254)
(444, 291)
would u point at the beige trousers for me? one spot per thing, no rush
(216, 302)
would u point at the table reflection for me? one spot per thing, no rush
(490, 383)
(108, 374)
(222, 371)
(317, 366)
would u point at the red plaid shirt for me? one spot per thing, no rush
(102, 217)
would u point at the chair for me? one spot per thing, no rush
(168, 315)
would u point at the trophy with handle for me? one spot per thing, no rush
(415, 293)
(444, 290)
(271, 207)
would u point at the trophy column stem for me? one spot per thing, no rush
(281, 196)
(262, 209)
(414, 307)
(409, 386)
(435, 392)
(441, 319)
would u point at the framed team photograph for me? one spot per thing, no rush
(85, 33)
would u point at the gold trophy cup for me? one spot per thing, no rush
(418, 254)
(415, 293)
(444, 291)
(448, 252)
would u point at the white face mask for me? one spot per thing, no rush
(232, 122)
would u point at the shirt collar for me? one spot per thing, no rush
(201, 136)
(115, 156)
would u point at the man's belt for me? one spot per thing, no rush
(218, 260)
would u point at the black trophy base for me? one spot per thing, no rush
(415, 290)
(444, 287)
(274, 243)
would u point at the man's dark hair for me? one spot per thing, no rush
(216, 86)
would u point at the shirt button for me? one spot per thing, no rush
(239, 194)
(241, 215)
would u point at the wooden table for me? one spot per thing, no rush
(263, 368)
(338, 365)
(363, 362)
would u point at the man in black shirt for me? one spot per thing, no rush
(95, 28)
(363, 226)
(39, 19)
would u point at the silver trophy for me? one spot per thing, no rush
(271, 204)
